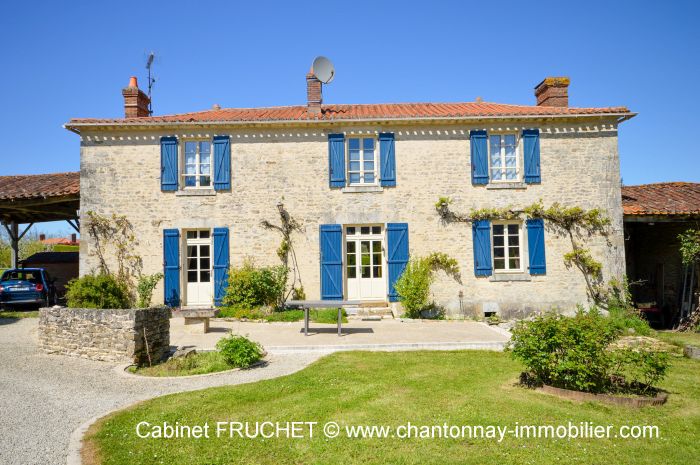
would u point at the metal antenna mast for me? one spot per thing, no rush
(151, 81)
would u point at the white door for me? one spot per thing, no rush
(364, 262)
(198, 268)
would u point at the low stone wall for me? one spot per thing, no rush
(113, 335)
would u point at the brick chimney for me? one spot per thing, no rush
(135, 100)
(73, 238)
(42, 237)
(313, 94)
(553, 92)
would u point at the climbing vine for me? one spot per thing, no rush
(573, 222)
(286, 252)
(114, 236)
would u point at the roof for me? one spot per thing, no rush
(39, 197)
(360, 112)
(39, 186)
(59, 241)
(52, 257)
(665, 198)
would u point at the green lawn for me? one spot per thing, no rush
(679, 339)
(426, 388)
(19, 313)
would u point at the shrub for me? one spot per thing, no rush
(413, 287)
(574, 353)
(639, 367)
(239, 351)
(97, 291)
(144, 288)
(251, 287)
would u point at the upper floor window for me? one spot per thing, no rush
(503, 157)
(362, 163)
(197, 172)
(507, 247)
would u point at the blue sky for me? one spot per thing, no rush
(71, 59)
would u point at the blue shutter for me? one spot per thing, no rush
(481, 235)
(479, 152)
(387, 159)
(168, 163)
(171, 267)
(535, 245)
(531, 147)
(331, 245)
(221, 263)
(336, 160)
(222, 163)
(397, 254)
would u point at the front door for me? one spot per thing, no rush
(364, 262)
(198, 268)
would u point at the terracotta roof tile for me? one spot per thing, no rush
(356, 112)
(666, 198)
(39, 186)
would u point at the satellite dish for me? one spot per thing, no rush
(323, 69)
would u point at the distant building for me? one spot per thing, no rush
(63, 266)
(72, 240)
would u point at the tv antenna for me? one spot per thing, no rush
(323, 69)
(151, 80)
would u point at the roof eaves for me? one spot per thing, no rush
(620, 116)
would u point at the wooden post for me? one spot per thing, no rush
(14, 243)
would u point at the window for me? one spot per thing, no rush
(503, 157)
(506, 247)
(197, 171)
(362, 162)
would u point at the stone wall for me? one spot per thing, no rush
(120, 173)
(108, 335)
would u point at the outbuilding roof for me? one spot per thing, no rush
(665, 198)
(39, 186)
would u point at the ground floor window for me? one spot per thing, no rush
(507, 246)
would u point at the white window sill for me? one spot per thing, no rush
(506, 185)
(195, 192)
(507, 277)
(358, 189)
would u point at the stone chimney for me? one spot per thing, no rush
(313, 94)
(135, 100)
(553, 92)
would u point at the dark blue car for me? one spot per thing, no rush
(27, 287)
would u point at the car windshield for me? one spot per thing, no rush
(33, 276)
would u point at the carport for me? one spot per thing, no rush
(37, 198)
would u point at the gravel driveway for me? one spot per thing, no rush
(43, 398)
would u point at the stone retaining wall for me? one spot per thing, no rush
(111, 335)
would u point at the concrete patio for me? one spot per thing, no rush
(357, 335)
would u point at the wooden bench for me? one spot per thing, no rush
(196, 319)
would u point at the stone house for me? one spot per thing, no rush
(363, 180)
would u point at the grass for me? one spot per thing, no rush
(321, 315)
(424, 388)
(19, 313)
(679, 339)
(197, 364)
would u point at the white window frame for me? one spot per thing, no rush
(362, 161)
(197, 176)
(518, 171)
(506, 246)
